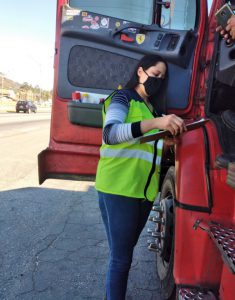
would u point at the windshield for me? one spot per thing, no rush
(131, 10)
(181, 15)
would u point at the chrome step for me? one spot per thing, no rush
(195, 294)
(231, 175)
(224, 239)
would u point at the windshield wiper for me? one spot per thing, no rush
(158, 9)
(167, 4)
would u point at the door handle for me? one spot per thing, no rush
(153, 27)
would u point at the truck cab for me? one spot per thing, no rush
(98, 44)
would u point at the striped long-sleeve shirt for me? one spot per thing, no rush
(116, 131)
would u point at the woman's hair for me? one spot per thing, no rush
(158, 101)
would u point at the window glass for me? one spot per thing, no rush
(232, 4)
(209, 4)
(132, 10)
(181, 15)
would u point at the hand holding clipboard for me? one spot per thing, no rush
(165, 133)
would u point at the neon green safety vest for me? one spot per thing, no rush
(130, 169)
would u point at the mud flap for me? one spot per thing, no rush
(53, 163)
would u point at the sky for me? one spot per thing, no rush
(209, 3)
(27, 39)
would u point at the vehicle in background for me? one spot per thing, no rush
(25, 106)
(97, 47)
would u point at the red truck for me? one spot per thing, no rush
(96, 49)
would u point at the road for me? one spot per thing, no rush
(53, 244)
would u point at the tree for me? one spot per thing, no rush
(25, 86)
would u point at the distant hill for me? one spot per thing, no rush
(15, 90)
(9, 84)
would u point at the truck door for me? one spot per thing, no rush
(98, 44)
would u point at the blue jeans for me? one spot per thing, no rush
(124, 218)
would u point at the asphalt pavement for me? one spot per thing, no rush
(53, 246)
(52, 239)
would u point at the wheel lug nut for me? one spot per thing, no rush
(157, 208)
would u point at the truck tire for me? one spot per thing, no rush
(165, 258)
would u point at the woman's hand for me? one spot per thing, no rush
(172, 123)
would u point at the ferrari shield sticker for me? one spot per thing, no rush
(140, 38)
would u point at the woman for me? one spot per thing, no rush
(128, 172)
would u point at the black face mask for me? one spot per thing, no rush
(152, 85)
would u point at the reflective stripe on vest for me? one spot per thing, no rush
(139, 154)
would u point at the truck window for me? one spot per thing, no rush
(181, 15)
(209, 4)
(136, 11)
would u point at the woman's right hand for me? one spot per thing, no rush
(172, 123)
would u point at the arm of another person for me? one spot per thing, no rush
(229, 32)
(231, 27)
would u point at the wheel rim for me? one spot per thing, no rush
(163, 232)
(165, 229)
